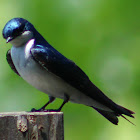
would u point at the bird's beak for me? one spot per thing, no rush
(9, 39)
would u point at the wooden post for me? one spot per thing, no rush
(31, 126)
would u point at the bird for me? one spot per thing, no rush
(42, 66)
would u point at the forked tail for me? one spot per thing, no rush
(113, 116)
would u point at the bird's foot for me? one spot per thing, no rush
(52, 110)
(36, 110)
(44, 110)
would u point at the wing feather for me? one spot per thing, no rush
(64, 68)
(10, 62)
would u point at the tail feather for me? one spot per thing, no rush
(127, 119)
(113, 116)
(126, 111)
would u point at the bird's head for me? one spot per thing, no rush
(18, 31)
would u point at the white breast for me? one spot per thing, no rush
(44, 80)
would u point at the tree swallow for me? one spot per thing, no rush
(37, 62)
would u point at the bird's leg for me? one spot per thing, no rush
(66, 99)
(51, 99)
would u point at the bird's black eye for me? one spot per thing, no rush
(18, 31)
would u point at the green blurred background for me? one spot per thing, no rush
(103, 38)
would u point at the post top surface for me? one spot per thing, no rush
(29, 113)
